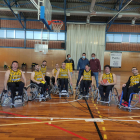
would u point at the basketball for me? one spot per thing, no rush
(104, 81)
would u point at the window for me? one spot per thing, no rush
(138, 38)
(10, 33)
(2, 33)
(46, 35)
(125, 38)
(117, 37)
(133, 38)
(37, 34)
(109, 37)
(29, 35)
(61, 36)
(53, 36)
(20, 34)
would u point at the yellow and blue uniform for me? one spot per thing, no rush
(15, 76)
(108, 77)
(87, 75)
(43, 70)
(38, 76)
(63, 73)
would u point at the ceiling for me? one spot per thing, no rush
(78, 10)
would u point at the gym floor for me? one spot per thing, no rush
(67, 119)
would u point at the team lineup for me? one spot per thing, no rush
(62, 78)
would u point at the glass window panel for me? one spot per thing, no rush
(61, 36)
(10, 33)
(37, 34)
(117, 37)
(53, 36)
(138, 38)
(2, 33)
(19, 34)
(125, 38)
(133, 38)
(29, 35)
(109, 37)
(46, 35)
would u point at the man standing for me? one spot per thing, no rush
(95, 67)
(83, 61)
(69, 64)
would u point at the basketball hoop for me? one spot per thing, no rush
(56, 24)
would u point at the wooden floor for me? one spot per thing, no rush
(65, 119)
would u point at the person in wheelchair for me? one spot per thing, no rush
(54, 71)
(44, 72)
(132, 86)
(86, 80)
(64, 74)
(38, 79)
(107, 82)
(13, 80)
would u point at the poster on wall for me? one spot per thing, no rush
(115, 59)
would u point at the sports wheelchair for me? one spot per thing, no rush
(6, 99)
(91, 93)
(113, 93)
(34, 92)
(56, 89)
(132, 103)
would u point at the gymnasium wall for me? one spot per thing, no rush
(123, 46)
(20, 42)
(7, 55)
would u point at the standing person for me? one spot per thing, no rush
(69, 64)
(83, 61)
(95, 67)
(44, 72)
(54, 71)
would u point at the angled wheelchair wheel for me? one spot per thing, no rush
(5, 99)
(116, 95)
(32, 90)
(25, 96)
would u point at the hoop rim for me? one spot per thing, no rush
(53, 21)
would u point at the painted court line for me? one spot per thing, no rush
(72, 133)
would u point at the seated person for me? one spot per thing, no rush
(132, 86)
(54, 71)
(64, 74)
(86, 80)
(44, 72)
(38, 78)
(106, 87)
(13, 80)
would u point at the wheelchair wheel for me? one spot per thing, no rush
(5, 99)
(32, 90)
(25, 96)
(78, 96)
(116, 95)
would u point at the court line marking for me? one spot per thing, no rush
(35, 122)
(55, 126)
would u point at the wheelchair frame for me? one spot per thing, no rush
(111, 94)
(130, 107)
(35, 91)
(6, 100)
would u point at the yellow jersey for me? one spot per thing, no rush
(135, 79)
(109, 77)
(15, 76)
(55, 71)
(43, 70)
(38, 76)
(87, 75)
(63, 73)
(69, 67)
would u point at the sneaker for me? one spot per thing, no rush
(123, 104)
(106, 100)
(126, 102)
